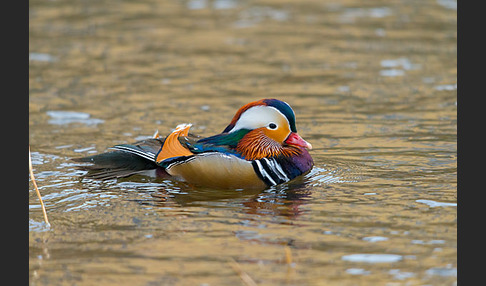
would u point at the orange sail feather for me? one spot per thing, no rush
(172, 147)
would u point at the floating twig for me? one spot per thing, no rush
(37, 190)
(243, 275)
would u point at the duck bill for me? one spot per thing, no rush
(295, 140)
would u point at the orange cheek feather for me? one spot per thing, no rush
(256, 145)
(262, 142)
(278, 135)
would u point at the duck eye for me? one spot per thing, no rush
(272, 126)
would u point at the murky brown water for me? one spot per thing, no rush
(373, 85)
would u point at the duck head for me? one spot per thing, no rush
(269, 128)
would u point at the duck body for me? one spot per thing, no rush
(259, 148)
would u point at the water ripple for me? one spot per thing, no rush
(372, 258)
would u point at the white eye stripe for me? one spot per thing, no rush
(258, 116)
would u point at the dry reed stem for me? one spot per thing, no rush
(243, 275)
(288, 255)
(37, 191)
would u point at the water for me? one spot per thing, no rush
(374, 89)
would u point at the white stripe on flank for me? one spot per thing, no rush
(264, 173)
(277, 169)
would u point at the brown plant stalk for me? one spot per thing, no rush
(37, 191)
(247, 280)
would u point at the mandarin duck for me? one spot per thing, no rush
(259, 148)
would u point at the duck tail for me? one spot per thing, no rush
(124, 161)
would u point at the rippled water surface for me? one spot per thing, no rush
(374, 88)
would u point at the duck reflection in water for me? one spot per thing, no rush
(283, 200)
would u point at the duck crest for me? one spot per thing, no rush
(240, 111)
(281, 106)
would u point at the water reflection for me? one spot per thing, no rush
(286, 200)
(283, 200)
(372, 258)
(214, 4)
(59, 117)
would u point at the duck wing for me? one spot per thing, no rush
(125, 160)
